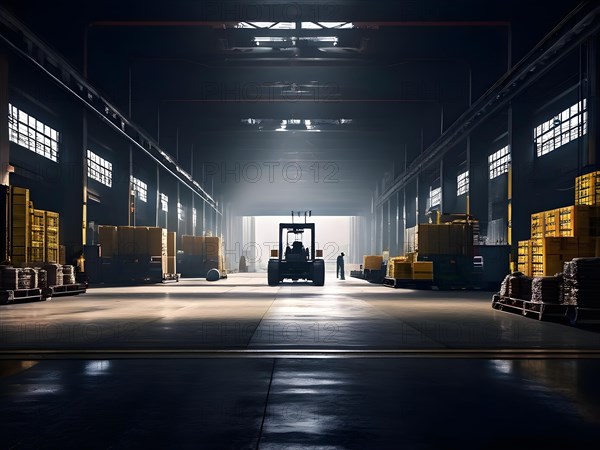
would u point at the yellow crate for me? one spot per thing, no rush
(537, 225)
(551, 223)
(372, 262)
(52, 219)
(52, 254)
(587, 189)
(524, 268)
(157, 241)
(37, 254)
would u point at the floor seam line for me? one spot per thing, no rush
(262, 423)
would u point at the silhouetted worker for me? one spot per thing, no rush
(288, 250)
(340, 267)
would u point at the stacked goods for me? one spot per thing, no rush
(10, 278)
(551, 223)
(32, 277)
(209, 248)
(537, 225)
(504, 286)
(51, 237)
(126, 241)
(587, 189)
(42, 278)
(399, 269)
(372, 262)
(444, 239)
(107, 237)
(68, 275)
(524, 257)
(519, 286)
(38, 236)
(422, 270)
(140, 241)
(21, 225)
(578, 221)
(172, 252)
(546, 289)
(392, 262)
(54, 274)
(582, 282)
(156, 241)
(549, 254)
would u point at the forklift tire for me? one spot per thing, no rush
(319, 272)
(273, 273)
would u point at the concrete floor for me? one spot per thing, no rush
(237, 364)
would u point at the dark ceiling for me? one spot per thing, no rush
(404, 73)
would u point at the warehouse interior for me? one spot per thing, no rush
(179, 180)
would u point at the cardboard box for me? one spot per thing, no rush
(171, 264)
(172, 244)
(372, 262)
(126, 240)
(107, 237)
(157, 241)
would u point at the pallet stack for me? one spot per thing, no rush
(402, 268)
(561, 234)
(207, 248)
(134, 243)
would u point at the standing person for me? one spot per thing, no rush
(340, 267)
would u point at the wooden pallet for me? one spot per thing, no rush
(547, 311)
(64, 290)
(18, 295)
(407, 283)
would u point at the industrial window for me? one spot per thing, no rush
(99, 169)
(499, 162)
(32, 134)
(435, 196)
(194, 218)
(462, 183)
(140, 188)
(563, 128)
(164, 202)
(180, 212)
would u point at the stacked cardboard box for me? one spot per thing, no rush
(107, 237)
(587, 189)
(401, 268)
(207, 249)
(51, 237)
(21, 225)
(524, 257)
(444, 239)
(38, 235)
(550, 253)
(372, 262)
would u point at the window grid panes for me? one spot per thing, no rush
(462, 183)
(563, 128)
(140, 188)
(180, 213)
(435, 196)
(499, 162)
(99, 169)
(32, 134)
(164, 202)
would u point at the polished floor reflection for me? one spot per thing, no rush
(301, 403)
(237, 364)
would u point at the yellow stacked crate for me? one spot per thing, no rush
(551, 223)
(38, 235)
(524, 257)
(587, 189)
(537, 225)
(21, 225)
(187, 244)
(549, 254)
(126, 241)
(51, 237)
(422, 270)
(372, 262)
